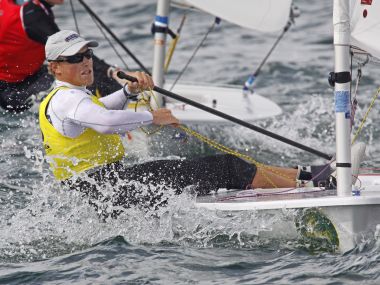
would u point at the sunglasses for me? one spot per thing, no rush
(76, 58)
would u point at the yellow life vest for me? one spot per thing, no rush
(69, 156)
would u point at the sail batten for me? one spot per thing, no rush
(260, 15)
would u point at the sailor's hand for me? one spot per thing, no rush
(144, 82)
(164, 117)
(112, 73)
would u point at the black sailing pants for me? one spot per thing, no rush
(204, 174)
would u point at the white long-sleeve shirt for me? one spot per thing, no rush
(71, 111)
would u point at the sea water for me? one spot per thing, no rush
(51, 236)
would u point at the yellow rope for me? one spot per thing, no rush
(145, 101)
(228, 150)
(170, 52)
(366, 115)
(97, 93)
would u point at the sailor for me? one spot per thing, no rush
(81, 137)
(24, 28)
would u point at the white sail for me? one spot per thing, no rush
(365, 25)
(260, 15)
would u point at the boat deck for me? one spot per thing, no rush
(259, 199)
(260, 195)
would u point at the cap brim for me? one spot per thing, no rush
(75, 48)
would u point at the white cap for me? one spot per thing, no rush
(65, 43)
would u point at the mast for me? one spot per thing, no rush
(342, 78)
(161, 24)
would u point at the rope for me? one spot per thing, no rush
(93, 14)
(376, 94)
(228, 150)
(354, 102)
(109, 42)
(74, 16)
(249, 83)
(146, 102)
(216, 21)
(173, 44)
(101, 30)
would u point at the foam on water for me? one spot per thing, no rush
(46, 221)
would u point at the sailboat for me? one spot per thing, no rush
(271, 17)
(346, 214)
(350, 213)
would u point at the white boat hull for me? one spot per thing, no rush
(354, 218)
(354, 223)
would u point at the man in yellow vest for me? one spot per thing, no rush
(84, 149)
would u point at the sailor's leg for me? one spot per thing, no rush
(204, 174)
(107, 189)
(274, 177)
(277, 177)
